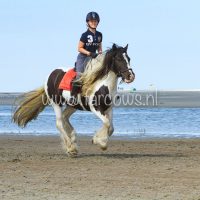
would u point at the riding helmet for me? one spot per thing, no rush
(92, 16)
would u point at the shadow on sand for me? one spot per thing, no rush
(125, 156)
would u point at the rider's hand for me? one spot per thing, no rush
(93, 55)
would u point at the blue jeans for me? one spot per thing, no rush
(81, 62)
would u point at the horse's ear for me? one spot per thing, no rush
(114, 47)
(126, 47)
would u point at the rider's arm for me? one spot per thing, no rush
(81, 48)
(100, 48)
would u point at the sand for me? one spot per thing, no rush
(37, 168)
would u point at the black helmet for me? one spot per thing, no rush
(92, 16)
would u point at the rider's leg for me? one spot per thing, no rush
(76, 86)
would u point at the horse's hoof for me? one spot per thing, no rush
(72, 154)
(94, 141)
(104, 148)
(72, 150)
(100, 143)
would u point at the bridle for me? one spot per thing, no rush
(120, 73)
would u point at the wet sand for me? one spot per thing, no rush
(34, 167)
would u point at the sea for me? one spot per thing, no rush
(129, 122)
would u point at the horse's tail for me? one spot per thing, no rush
(29, 106)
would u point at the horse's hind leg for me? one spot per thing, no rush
(65, 135)
(69, 129)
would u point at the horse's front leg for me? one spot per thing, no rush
(102, 136)
(110, 116)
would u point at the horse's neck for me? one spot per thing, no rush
(93, 77)
(110, 81)
(95, 64)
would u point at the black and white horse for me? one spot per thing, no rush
(99, 85)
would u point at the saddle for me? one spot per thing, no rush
(66, 82)
(70, 75)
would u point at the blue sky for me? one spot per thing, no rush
(39, 36)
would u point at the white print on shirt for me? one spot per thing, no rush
(90, 38)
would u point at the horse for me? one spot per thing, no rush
(99, 86)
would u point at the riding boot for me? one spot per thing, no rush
(74, 93)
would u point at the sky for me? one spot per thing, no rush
(39, 36)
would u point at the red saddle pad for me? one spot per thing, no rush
(65, 83)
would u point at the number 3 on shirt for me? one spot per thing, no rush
(90, 38)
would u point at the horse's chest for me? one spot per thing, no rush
(102, 99)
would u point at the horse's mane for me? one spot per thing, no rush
(96, 69)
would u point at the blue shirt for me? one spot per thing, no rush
(91, 41)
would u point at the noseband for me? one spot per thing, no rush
(120, 73)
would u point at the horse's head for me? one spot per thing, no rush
(121, 63)
(115, 59)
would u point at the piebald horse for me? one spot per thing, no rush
(99, 86)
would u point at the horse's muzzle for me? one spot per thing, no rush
(131, 76)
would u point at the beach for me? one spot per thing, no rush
(35, 167)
